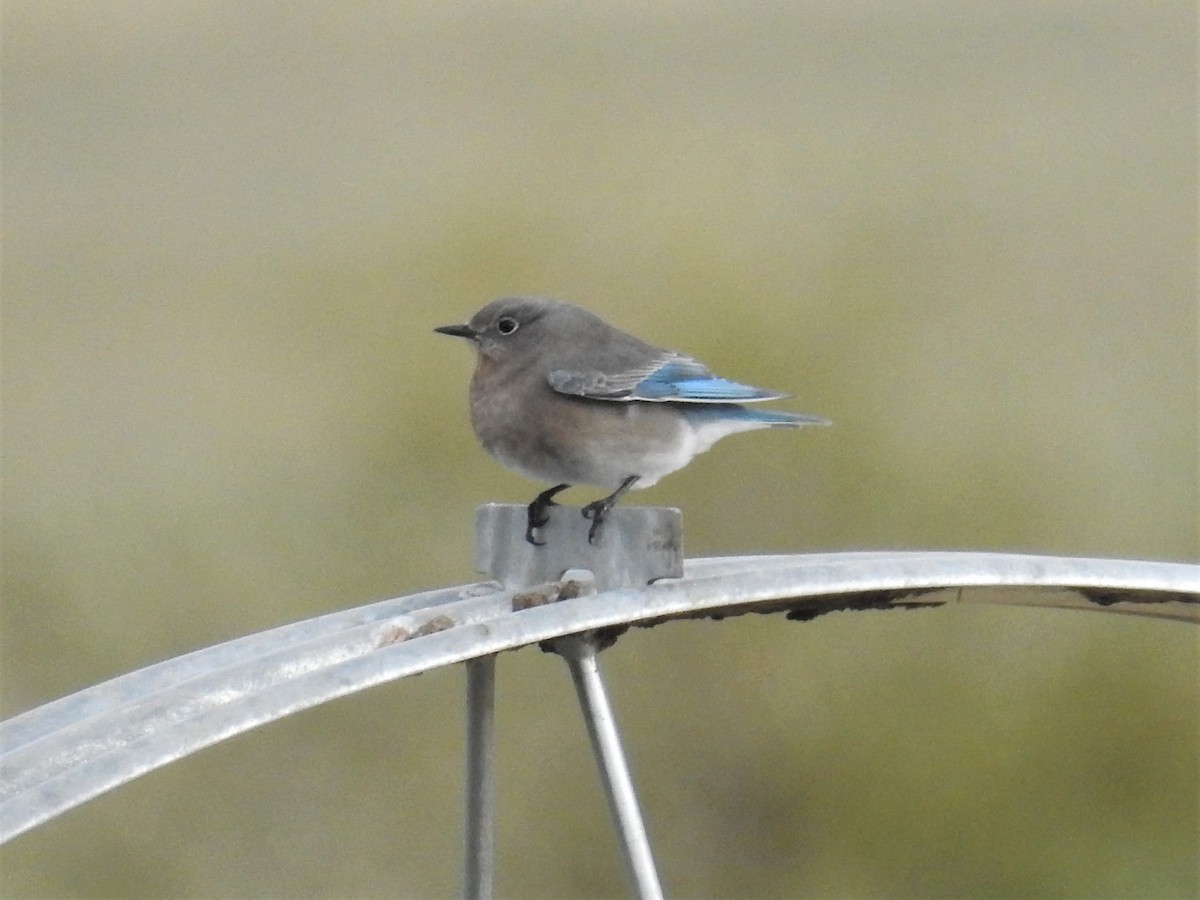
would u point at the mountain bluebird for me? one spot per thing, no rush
(561, 396)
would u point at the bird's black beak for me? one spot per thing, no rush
(462, 331)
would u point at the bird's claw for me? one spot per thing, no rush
(596, 512)
(537, 518)
(537, 512)
(598, 509)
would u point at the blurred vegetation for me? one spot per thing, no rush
(965, 232)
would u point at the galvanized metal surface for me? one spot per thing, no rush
(66, 752)
(638, 545)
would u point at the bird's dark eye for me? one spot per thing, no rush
(506, 325)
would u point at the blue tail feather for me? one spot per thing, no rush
(733, 412)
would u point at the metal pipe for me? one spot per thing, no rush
(580, 655)
(479, 852)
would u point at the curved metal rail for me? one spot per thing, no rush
(577, 596)
(68, 751)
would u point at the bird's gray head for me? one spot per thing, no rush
(512, 325)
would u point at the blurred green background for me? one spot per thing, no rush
(965, 232)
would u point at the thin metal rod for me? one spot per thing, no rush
(479, 858)
(580, 655)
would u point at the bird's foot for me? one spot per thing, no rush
(598, 509)
(537, 512)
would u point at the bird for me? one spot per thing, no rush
(561, 396)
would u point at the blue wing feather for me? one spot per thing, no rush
(680, 379)
(669, 378)
(685, 380)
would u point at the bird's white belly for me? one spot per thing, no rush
(598, 443)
